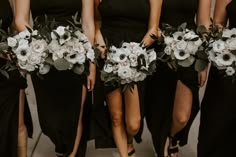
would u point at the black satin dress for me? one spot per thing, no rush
(59, 93)
(161, 86)
(122, 21)
(217, 133)
(9, 97)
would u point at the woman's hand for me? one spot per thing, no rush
(202, 77)
(148, 40)
(91, 77)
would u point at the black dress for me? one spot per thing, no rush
(9, 99)
(59, 93)
(122, 21)
(218, 110)
(161, 86)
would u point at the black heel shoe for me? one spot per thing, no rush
(132, 152)
(174, 144)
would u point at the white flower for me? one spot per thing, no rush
(137, 50)
(124, 72)
(198, 42)
(64, 35)
(35, 32)
(178, 36)
(230, 71)
(227, 33)
(91, 55)
(168, 40)
(60, 30)
(108, 68)
(133, 60)
(44, 69)
(233, 31)
(168, 50)
(191, 48)
(23, 43)
(120, 55)
(53, 46)
(34, 58)
(225, 58)
(181, 55)
(152, 56)
(218, 46)
(22, 54)
(181, 45)
(12, 42)
(81, 58)
(79, 47)
(190, 35)
(231, 43)
(25, 34)
(87, 46)
(39, 45)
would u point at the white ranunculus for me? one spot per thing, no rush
(133, 60)
(168, 40)
(227, 33)
(168, 50)
(53, 46)
(181, 45)
(218, 46)
(34, 59)
(230, 71)
(108, 68)
(25, 34)
(225, 59)
(12, 42)
(44, 69)
(181, 55)
(91, 55)
(231, 43)
(39, 45)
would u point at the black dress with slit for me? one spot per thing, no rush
(59, 93)
(122, 21)
(161, 86)
(9, 97)
(218, 110)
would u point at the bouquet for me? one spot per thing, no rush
(30, 50)
(183, 47)
(223, 52)
(70, 49)
(128, 64)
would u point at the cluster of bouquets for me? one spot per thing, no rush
(222, 51)
(182, 47)
(128, 64)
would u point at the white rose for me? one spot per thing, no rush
(133, 60)
(168, 40)
(12, 42)
(227, 33)
(137, 50)
(168, 50)
(108, 68)
(39, 46)
(218, 46)
(231, 43)
(181, 45)
(44, 69)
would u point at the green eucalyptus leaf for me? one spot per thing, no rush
(78, 69)
(61, 64)
(201, 29)
(187, 62)
(202, 55)
(200, 65)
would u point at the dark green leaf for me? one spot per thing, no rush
(61, 64)
(200, 65)
(79, 69)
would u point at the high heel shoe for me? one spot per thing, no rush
(173, 148)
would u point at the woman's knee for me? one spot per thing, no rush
(117, 118)
(133, 125)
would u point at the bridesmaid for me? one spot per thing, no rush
(61, 95)
(13, 132)
(172, 100)
(218, 110)
(129, 21)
